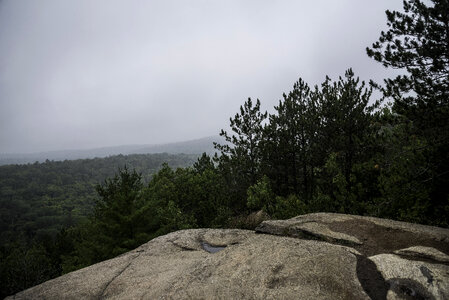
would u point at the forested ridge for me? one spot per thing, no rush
(42, 198)
(185, 147)
(39, 200)
(326, 148)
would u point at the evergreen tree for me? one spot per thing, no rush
(417, 43)
(118, 212)
(241, 158)
(345, 116)
(402, 193)
(289, 140)
(203, 164)
(23, 267)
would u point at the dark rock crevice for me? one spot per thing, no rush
(307, 235)
(291, 232)
(308, 230)
(102, 293)
(427, 273)
(183, 248)
(422, 258)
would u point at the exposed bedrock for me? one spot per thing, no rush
(315, 256)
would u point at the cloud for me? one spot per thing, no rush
(80, 74)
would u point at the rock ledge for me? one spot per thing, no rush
(314, 256)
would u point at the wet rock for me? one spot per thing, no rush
(212, 249)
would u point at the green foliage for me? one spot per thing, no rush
(119, 213)
(172, 218)
(241, 158)
(200, 194)
(417, 44)
(260, 195)
(203, 164)
(38, 201)
(336, 192)
(290, 140)
(288, 207)
(24, 266)
(346, 121)
(403, 194)
(41, 199)
(119, 223)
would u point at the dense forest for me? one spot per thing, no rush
(39, 200)
(330, 147)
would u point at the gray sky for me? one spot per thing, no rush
(91, 73)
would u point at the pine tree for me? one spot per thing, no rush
(118, 212)
(241, 158)
(417, 43)
(290, 138)
(345, 116)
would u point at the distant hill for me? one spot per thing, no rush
(197, 146)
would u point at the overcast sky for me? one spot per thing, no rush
(90, 73)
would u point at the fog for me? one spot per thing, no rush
(84, 74)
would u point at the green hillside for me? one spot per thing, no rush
(185, 147)
(41, 198)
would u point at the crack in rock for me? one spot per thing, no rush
(309, 230)
(102, 294)
(427, 273)
(184, 248)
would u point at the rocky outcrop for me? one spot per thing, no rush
(315, 256)
(410, 259)
(416, 279)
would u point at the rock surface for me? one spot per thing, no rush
(416, 279)
(315, 256)
(306, 229)
(421, 252)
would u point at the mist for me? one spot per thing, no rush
(85, 74)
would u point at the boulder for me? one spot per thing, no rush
(413, 279)
(315, 256)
